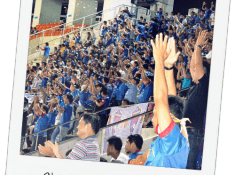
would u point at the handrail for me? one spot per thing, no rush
(102, 111)
(66, 34)
(77, 20)
(55, 126)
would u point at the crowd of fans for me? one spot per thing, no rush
(121, 67)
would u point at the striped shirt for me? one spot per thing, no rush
(86, 149)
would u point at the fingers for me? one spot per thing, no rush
(165, 42)
(161, 40)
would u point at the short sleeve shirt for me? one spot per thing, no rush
(86, 149)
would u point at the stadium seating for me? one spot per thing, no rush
(54, 29)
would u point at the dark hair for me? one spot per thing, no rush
(69, 97)
(26, 101)
(126, 101)
(137, 80)
(146, 66)
(176, 106)
(44, 107)
(137, 139)
(47, 44)
(116, 142)
(94, 120)
(105, 91)
(106, 79)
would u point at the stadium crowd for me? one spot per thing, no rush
(127, 64)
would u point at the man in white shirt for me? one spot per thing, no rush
(114, 150)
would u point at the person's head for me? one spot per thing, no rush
(160, 10)
(134, 143)
(105, 80)
(146, 67)
(44, 109)
(99, 86)
(88, 125)
(47, 44)
(26, 101)
(114, 146)
(135, 81)
(125, 102)
(68, 98)
(176, 106)
(104, 92)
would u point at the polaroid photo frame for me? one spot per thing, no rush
(17, 164)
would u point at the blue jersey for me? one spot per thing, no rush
(67, 114)
(169, 150)
(134, 155)
(47, 51)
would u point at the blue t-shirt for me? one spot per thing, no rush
(131, 92)
(146, 92)
(67, 114)
(77, 40)
(85, 60)
(65, 53)
(207, 14)
(47, 51)
(193, 20)
(134, 155)
(169, 150)
(75, 94)
(41, 124)
(121, 91)
(109, 87)
(51, 117)
(83, 98)
(106, 101)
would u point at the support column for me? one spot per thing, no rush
(109, 4)
(81, 8)
(37, 12)
(47, 11)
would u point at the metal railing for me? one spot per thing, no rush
(76, 119)
(95, 113)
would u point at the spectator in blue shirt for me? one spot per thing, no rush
(86, 57)
(66, 114)
(132, 89)
(103, 104)
(133, 146)
(46, 52)
(40, 125)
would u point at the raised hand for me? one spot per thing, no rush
(159, 48)
(201, 40)
(173, 56)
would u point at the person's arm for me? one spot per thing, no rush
(169, 63)
(30, 108)
(144, 76)
(184, 72)
(99, 104)
(179, 76)
(162, 110)
(196, 66)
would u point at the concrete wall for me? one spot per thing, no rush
(108, 4)
(81, 8)
(50, 11)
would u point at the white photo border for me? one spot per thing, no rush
(18, 164)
